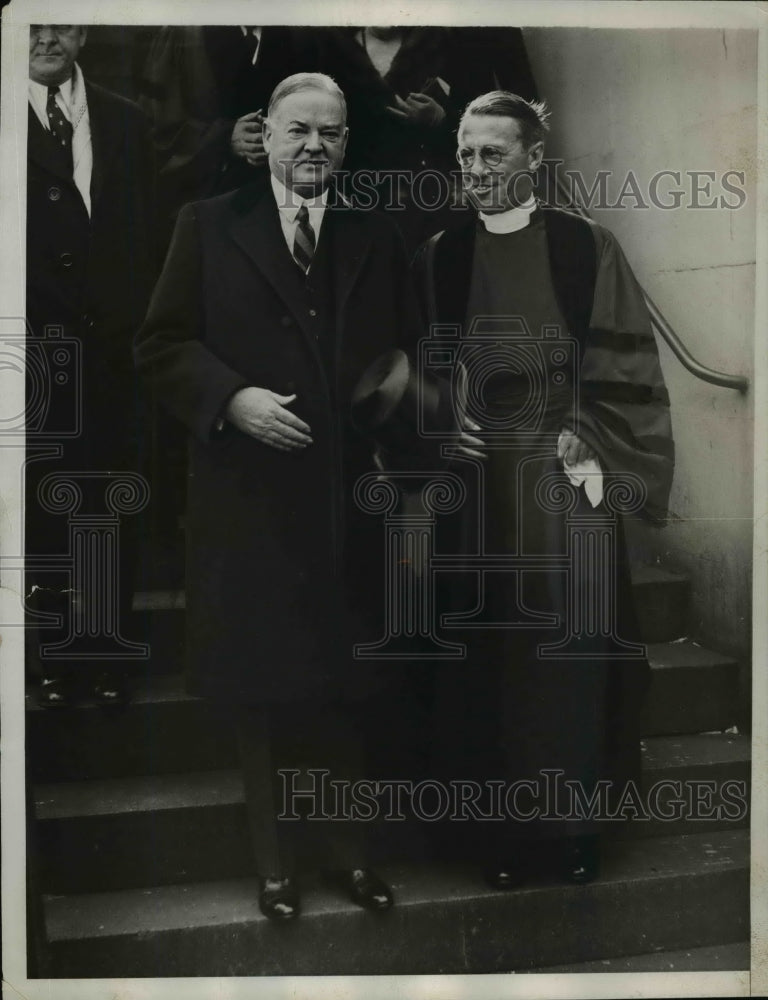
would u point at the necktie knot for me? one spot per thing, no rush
(304, 240)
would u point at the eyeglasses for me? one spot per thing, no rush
(490, 155)
(59, 29)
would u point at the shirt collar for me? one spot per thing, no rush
(511, 220)
(289, 202)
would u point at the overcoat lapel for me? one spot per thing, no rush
(351, 245)
(256, 230)
(105, 139)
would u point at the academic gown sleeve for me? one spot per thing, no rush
(624, 409)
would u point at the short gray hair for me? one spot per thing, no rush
(307, 81)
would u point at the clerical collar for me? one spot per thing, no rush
(511, 220)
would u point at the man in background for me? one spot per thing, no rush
(90, 268)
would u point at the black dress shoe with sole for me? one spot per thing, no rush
(55, 692)
(580, 859)
(505, 877)
(111, 690)
(366, 889)
(279, 899)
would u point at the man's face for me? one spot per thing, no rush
(305, 139)
(495, 163)
(53, 49)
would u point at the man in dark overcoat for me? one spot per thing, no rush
(90, 270)
(272, 302)
(563, 379)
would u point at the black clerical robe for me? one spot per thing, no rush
(553, 334)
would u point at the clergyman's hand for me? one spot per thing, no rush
(263, 415)
(247, 141)
(468, 444)
(572, 450)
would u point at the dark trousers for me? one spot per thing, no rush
(276, 741)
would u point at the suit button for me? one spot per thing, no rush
(87, 321)
(65, 259)
(285, 321)
(290, 387)
(313, 312)
(54, 193)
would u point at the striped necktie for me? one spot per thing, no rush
(61, 129)
(304, 240)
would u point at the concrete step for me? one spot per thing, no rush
(162, 730)
(714, 958)
(681, 892)
(153, 830)
(692, 690)
(661, 602)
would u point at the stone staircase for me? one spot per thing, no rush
(144, 870)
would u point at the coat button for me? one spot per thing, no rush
(290, 387)
(313, 312)
(285, 320)
(65, 259)
(54, 193)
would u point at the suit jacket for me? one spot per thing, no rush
(92, 276)
(283, 570)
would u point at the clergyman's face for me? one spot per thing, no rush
(53, 49)
(305, 138)
(496, 186)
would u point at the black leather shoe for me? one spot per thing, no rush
(55, 692)
(279, 899)
(580, 859)
(505, 876)
(366, 889)
(111, 690)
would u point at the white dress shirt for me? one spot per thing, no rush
(256, 32)
(288, 205)
(72, 102)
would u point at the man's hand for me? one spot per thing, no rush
(571, 449)
(420, 109)
(246, 141)
(262, 414)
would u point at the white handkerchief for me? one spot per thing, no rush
(589, 473)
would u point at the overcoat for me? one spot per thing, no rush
(90, 279)
(282, 566)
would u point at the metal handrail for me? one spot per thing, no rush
(678, 348)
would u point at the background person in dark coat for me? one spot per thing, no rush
(406, 89)
(90, 269)
(282, 569)
(205, 89)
